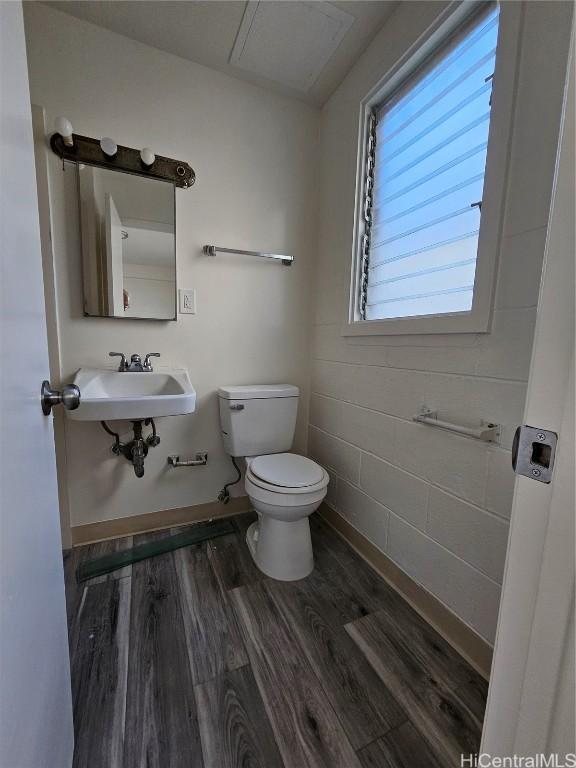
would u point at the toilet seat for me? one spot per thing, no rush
(286, 473)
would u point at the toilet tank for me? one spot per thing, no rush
(258, 419)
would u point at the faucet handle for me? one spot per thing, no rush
(147, 364)
(122, 356)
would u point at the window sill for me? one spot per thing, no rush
(465, 322)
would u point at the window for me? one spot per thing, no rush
(423, 182)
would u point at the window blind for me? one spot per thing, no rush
(425, 182)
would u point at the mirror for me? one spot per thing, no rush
(128, 228)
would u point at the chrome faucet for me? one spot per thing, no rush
(147, 365)
(135, 364)
(122, 356)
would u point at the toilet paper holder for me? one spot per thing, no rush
(200, 460)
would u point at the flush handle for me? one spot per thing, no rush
(533, 453)
(237, 407)
(69, 397)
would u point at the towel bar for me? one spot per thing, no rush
(488, 432)
(212, 250)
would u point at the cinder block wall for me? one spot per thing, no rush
(438, 504)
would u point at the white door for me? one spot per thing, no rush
(531, 699)
(114, 267)
(35, 697)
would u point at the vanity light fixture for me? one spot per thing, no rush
(63, 126)
(105, 153)
(147, 156)
(108, 146)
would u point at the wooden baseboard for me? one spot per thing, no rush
(156, 521)
(460, 636)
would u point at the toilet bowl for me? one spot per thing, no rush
(257, 424)
(284, 489)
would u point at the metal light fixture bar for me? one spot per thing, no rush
(87, 150)
(212, 250)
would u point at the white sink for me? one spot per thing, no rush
(106, 395)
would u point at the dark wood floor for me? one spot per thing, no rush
(194, 659)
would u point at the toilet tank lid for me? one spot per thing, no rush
(258, 391)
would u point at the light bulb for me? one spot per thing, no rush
(108, 146)
(147, 156)
(63, 126)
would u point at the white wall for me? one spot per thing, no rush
(436, 503)
(255, 156)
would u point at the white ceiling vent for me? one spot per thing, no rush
(289, 42)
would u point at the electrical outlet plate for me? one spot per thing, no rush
(187, 301)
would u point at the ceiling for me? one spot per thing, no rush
(302, 49)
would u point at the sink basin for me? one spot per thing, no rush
(106, 395)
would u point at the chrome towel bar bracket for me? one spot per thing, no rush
(212, 250)
(488, 432)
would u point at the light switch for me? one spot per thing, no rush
(187, 301)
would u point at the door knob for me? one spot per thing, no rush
(69, 397)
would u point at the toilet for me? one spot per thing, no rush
(258, 424)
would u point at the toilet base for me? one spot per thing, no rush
(281, 550)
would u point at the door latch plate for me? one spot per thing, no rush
(533, 453)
